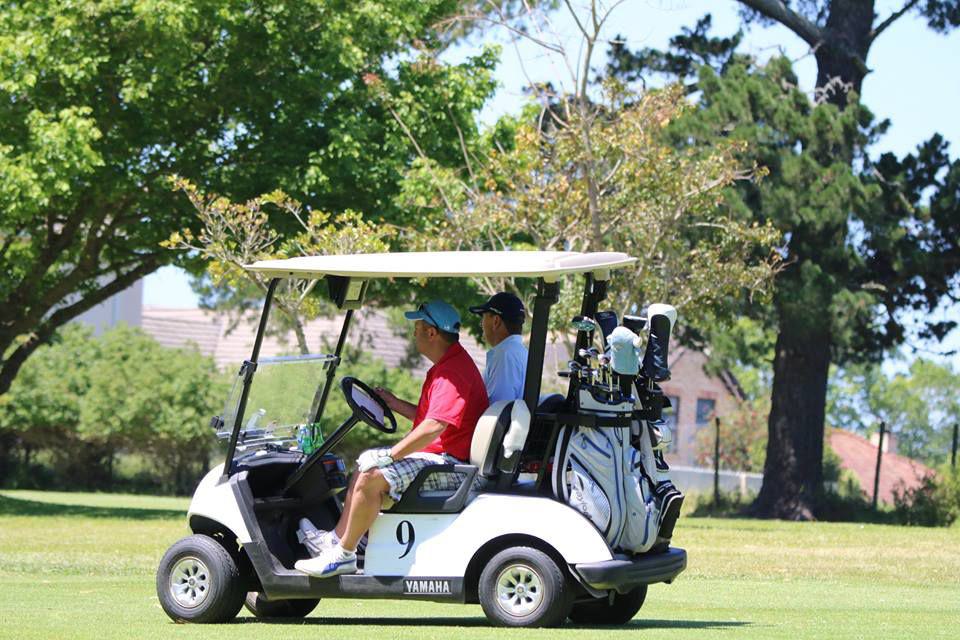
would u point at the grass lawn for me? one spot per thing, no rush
(82, 566)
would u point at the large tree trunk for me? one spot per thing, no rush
(842, 53)
(793, 471)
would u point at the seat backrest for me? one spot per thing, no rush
(488, 436)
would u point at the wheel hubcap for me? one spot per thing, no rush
(190, 582)
(519, 590)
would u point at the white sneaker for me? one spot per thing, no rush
(331, 562)
(314, 539)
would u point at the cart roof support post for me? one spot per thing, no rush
(594, 291)
(547, 295)
(248, 368)
(332, 371)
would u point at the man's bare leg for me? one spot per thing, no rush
(365, 500)
(341, 526)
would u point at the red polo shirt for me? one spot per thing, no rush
(453, 393)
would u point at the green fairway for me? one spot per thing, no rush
(82, 566)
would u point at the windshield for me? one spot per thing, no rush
(284, 395)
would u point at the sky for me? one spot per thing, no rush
(913, 83)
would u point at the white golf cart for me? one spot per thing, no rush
(504, 537)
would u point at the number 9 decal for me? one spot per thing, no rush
(406, 535)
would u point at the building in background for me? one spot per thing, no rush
(859, 455)
(126, 306)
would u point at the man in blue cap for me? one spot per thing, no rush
(452, 399)
(502, 319)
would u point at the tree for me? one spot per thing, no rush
(234, 235)
(919, 407)
(866, 238)
(102, 100)
(588, 168)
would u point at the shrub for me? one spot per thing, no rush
(935, 502)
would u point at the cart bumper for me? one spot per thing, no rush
(624, 575)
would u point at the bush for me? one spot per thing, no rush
(935, 502)
(743, 438)
(83, 401)
(732, 504)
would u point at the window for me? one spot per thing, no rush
(705, 411)
(669, 415)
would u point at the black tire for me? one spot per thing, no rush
(621, 611)
(216, 593)
(544, 599)
(263, 608)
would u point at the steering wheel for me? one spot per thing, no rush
(367, 405)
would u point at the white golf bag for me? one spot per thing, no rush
(601, 474)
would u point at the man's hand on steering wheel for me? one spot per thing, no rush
(388, 398)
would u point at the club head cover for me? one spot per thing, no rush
(660, 321)
(519, 428)
(623, 350)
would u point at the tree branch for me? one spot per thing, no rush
(896, 15)
(776, 10)
(11, 365)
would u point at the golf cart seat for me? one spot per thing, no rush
(487, 464)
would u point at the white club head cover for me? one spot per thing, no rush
(664, 437)
(519, 428)
(660, 309)
(623, 349)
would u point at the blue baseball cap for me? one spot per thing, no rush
(437, 313)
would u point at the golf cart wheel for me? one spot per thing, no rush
(263, 608)
(198, 581)
(602, 611)
(524, 587)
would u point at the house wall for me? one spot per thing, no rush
(688, 384)
(125, 306)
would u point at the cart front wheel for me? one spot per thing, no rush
(198, 581)
(524, 587)
(620, 611)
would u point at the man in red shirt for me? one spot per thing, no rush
(452, 399)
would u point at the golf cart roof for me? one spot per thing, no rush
(445, 264)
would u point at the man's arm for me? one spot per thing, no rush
(419, 437)
(406, 409)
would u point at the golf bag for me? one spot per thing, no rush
(602, 473)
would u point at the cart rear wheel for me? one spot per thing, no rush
(621, 611)
(198, 581)
(263, 608)
(524, 587)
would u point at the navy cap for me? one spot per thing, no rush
(504, 304)
(437, 313)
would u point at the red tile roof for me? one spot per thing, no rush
(229, 346)
(859, 455)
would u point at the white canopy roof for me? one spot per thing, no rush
(446, 264)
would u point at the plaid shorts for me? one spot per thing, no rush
(401, 473)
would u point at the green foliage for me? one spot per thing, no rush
(935, 502)
(102, 100)
(84, 400)
(235, 235)
(919, 406)
(538, 185)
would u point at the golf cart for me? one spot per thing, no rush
(531, 531)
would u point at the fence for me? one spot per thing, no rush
(700, 480)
